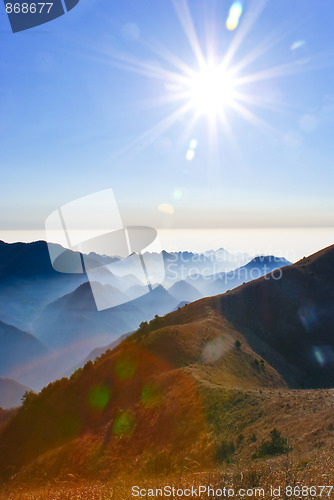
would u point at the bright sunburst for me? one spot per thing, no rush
(211, 90)
(218, 84)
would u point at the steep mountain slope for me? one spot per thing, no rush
(221, 282)
(184, 292)
(83, 327)
(196, 383)
(28, 281)
(21, 354)
(95, 353)
(11, 393)
(158, 301)
(293, 314)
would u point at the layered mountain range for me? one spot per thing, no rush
(49, 319)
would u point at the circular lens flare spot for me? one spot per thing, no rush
(98, 397)
(166, 208)
(190, 155)
(193, 144)
(150, 396)
(215, 350)
(125, 368)
(178, 193)
(124, 424)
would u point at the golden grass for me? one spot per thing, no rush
(278, 471)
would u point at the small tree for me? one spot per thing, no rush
(237, 344)
(256, 363)
(253, 438)
(143, 327)
(27, 398)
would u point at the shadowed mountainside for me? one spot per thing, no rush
(184, 291)
(293, 315)
(83, 327)
(28, 282)
(19, 353)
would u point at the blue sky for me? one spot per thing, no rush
(72, 111)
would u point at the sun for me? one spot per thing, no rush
(211, 90)
(220, 87)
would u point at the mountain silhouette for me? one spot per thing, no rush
(184, 291)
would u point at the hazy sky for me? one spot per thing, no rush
(94, 100)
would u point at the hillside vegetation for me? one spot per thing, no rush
(199, 389)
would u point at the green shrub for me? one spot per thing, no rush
(256, 363)
(277, 445)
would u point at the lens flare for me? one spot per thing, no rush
(214, 350)
(151, 396)
(124, 424)
(234, 16)
(190, 154)
(324, 355)
(193, 144)
(308, 317)
(178, 193)
(166, 208)
(220, 85)
(125, 368)
(98, 397)
(296, 45)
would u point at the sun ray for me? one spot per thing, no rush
(182, 9)
(156, 47)
(150, 135)
(266, 45)
(322, 61)
(254, 11)
(218, 86)
(261, 101)
(254, 120)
